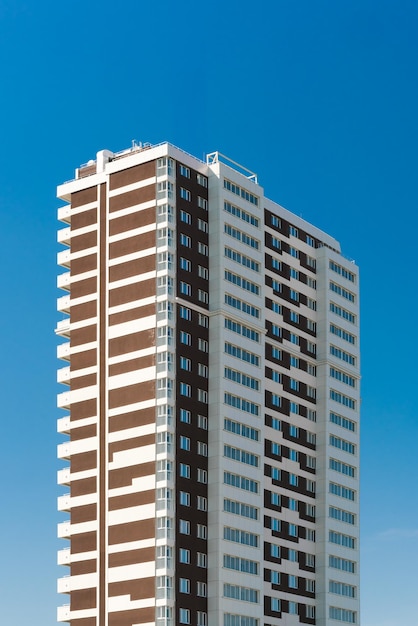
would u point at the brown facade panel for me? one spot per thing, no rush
(80, 360)
(82, 242)
(135, 616)
(84, 432)
(131, 499)
(83, 621)
(131, 314)
(131, 393)
(83, 264)
(131, 365)
(131, 221)
(83, 461)
(132, 268)
(84, 542)
(129, 293)
(83, 567)
(130, 198)
(137, 589)
(132, 531)
(83, 335)
(132, 420)
(78, 198)
(83, 312)
(83, 486)
(132, 342)
(132, 244)
(129, 444)
(81, 599)
(85, 218)
(132, 175)
(86, 513)
(83, 287)
(80, 410)
(123, 476)
(83, 381)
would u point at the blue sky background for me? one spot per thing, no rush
(320, 98)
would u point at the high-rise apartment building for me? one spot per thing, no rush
(212, 407)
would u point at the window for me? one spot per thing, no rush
(344, 422)
(202, 225)
(184, 585)
(239, 235)
(241, 305)
(310, 485)
(275, 605)
(338, 310)
(342, 376)
(185, 390)
(341, 354)
(185, 313)
(342, 492)
(342, 444)
(241, 378)
(184, 171)
(238, 428)
(203, 320)
(342, 271)
(311, 392)
(293, 455)
(241, 214)
(294, 384)
(241, 536)
(294, 408)
(294, 317)
(293, 608)
(201, 590)
(202, 532)
(184, 616)
(310, 611)
(310, 510)
(203, 345)
(203, 370)
(184, 555)
(242, 282)
(343, 615)
(293, 581)
(203, 296)
(185, 364)
(241, 565)
(184, 498)
(240, 593)
(202, 448)
(342, 540)
(184, 527)
(342, 589)
(185, 194)
(294, 273)
(184, 443)
(239, 508)
(185, 416)
(242, 456)
(293, 231)
(242, 259)
(202, 503)
(184, 470)
(343, 468)
(185, 338)
(293, 555)
(341, 291)
(294, 339)
(202, 180)
(241, 404)
(240, 191)
(203, 272)
(185, 240)
(202, 203)
(202, 422)
(203, 248)
(343, 564)
(293, 480)
(275, 550)
(293, 530)
(342, 399)
(293, 252)
(185, 264)
(342, 515)
(202, 618)
(185, 289)
(201, 559)
(185, 217)
(202, 476)
(202, 396)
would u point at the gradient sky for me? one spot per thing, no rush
(320, 98)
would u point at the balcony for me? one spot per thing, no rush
(63, 613)
(64, 556)
(64, 281)
(64, 476)
(64, 530)
(64, 236)
(64, 400)
(64, 425)
(64, 214)
(64, 502)
(63, 351)
(64, 376)
(64, 584)
(63, 304)
(64, 450)
(63, 258)
(63, 328)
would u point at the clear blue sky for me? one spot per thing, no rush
(321, 100)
